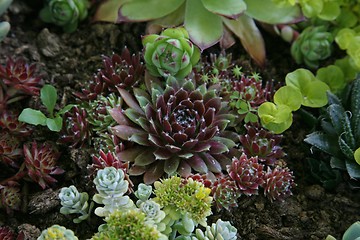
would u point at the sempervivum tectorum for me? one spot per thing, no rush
(76, 131)
(6, 233)
(248, 174)
(19, 76)
(261, 143)
(177, 129)
(278, 183)
(40, 163)
(225, 193)
(119, 71)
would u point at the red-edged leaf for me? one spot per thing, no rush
(248, 33)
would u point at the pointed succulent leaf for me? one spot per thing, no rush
(227, 8)
(118, 115)
(345, 148)
(205, 28)
(328, 128)
(348, 134)
(212, 164)
(154, 173)
(130, 154)
(144, 158)
(259, 10)
(125, 132)
(323, 142)
(130, 100)
(333, 99)
(226, 141)
(336, 113)
(352, 168)
(144, 10)
(198, 164)
(218, 147)
(142, 97)
(133, 115)
(250, 36)
(171, 165)
(338, 163)
(140, 138)
(355, 109)
(65, 109)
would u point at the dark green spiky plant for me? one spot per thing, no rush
(178, 127)
(340, 134)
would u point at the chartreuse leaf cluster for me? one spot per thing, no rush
(302, 89)
(54, 120)
(340, 133)
(349, 40)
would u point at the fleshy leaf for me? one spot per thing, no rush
(125, 132)
(205, 28)
(323, 142)
(143, 10)
(106, 10)
(357, 155)
(227, 8)
(289, 96)
(154, 173)
(249, 34)
(352, 168)
(171, 165)
(33, 117)
(269, 12)
(54, 124)
(48, 96)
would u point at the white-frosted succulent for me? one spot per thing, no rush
(143, 192)
(111, 187)
(221, 230)
(154, 214)
(72, 201)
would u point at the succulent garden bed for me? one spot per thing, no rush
(96, 106)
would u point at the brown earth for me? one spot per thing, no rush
(69, 60)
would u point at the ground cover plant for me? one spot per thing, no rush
(171, 137)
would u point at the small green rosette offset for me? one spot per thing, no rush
(170, 54)
(65, 13)
(314, 44)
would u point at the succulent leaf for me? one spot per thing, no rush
(246, 30)
(258, 9)
(135, 10)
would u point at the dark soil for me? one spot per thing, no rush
(68, 61)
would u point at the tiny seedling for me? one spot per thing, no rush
(54, 122)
